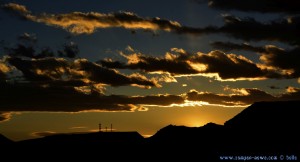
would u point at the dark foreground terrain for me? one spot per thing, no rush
(263, 130)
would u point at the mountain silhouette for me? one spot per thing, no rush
(267, 115)
(264, 128)
(5, 141)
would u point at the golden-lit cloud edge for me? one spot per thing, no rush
(238, 98)
(274, 64)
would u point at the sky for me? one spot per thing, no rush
(141, 65)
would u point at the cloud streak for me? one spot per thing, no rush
(86, 23)
(79, 23)
(16, 7)
(229, 46)
(43, 134)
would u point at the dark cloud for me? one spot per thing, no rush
(97, 73)
(21, 50)
(293, 93)
(271, 56)
(229, 46)
(175, 66)
(274, 87)
(58, 71)
(45, 69)
(2, 75)
(183, 63)
(263, 6)
(228, 66)
(70, 50)
(242, 97)
(284, 60)
(284, 30)
(160, 100)
(27, 97)
(28, 37)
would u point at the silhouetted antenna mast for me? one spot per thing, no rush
(105, 129)
(99, 127)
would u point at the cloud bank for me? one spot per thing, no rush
(181, 63)
(242, 96)
(32, 98)
(27, 97)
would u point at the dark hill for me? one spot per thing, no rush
(264, 128)
(5, 141)
(272, 116)
(183, 134)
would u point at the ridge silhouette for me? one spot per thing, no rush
(5, 141)
(264, 128)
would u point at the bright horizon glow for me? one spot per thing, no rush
(17, 129)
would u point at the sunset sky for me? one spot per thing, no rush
(66, 66)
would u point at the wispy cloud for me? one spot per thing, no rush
(79, 23)
(28, 37)
(78, 127)
(43, 134)
(229, 46)
(16, 7)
